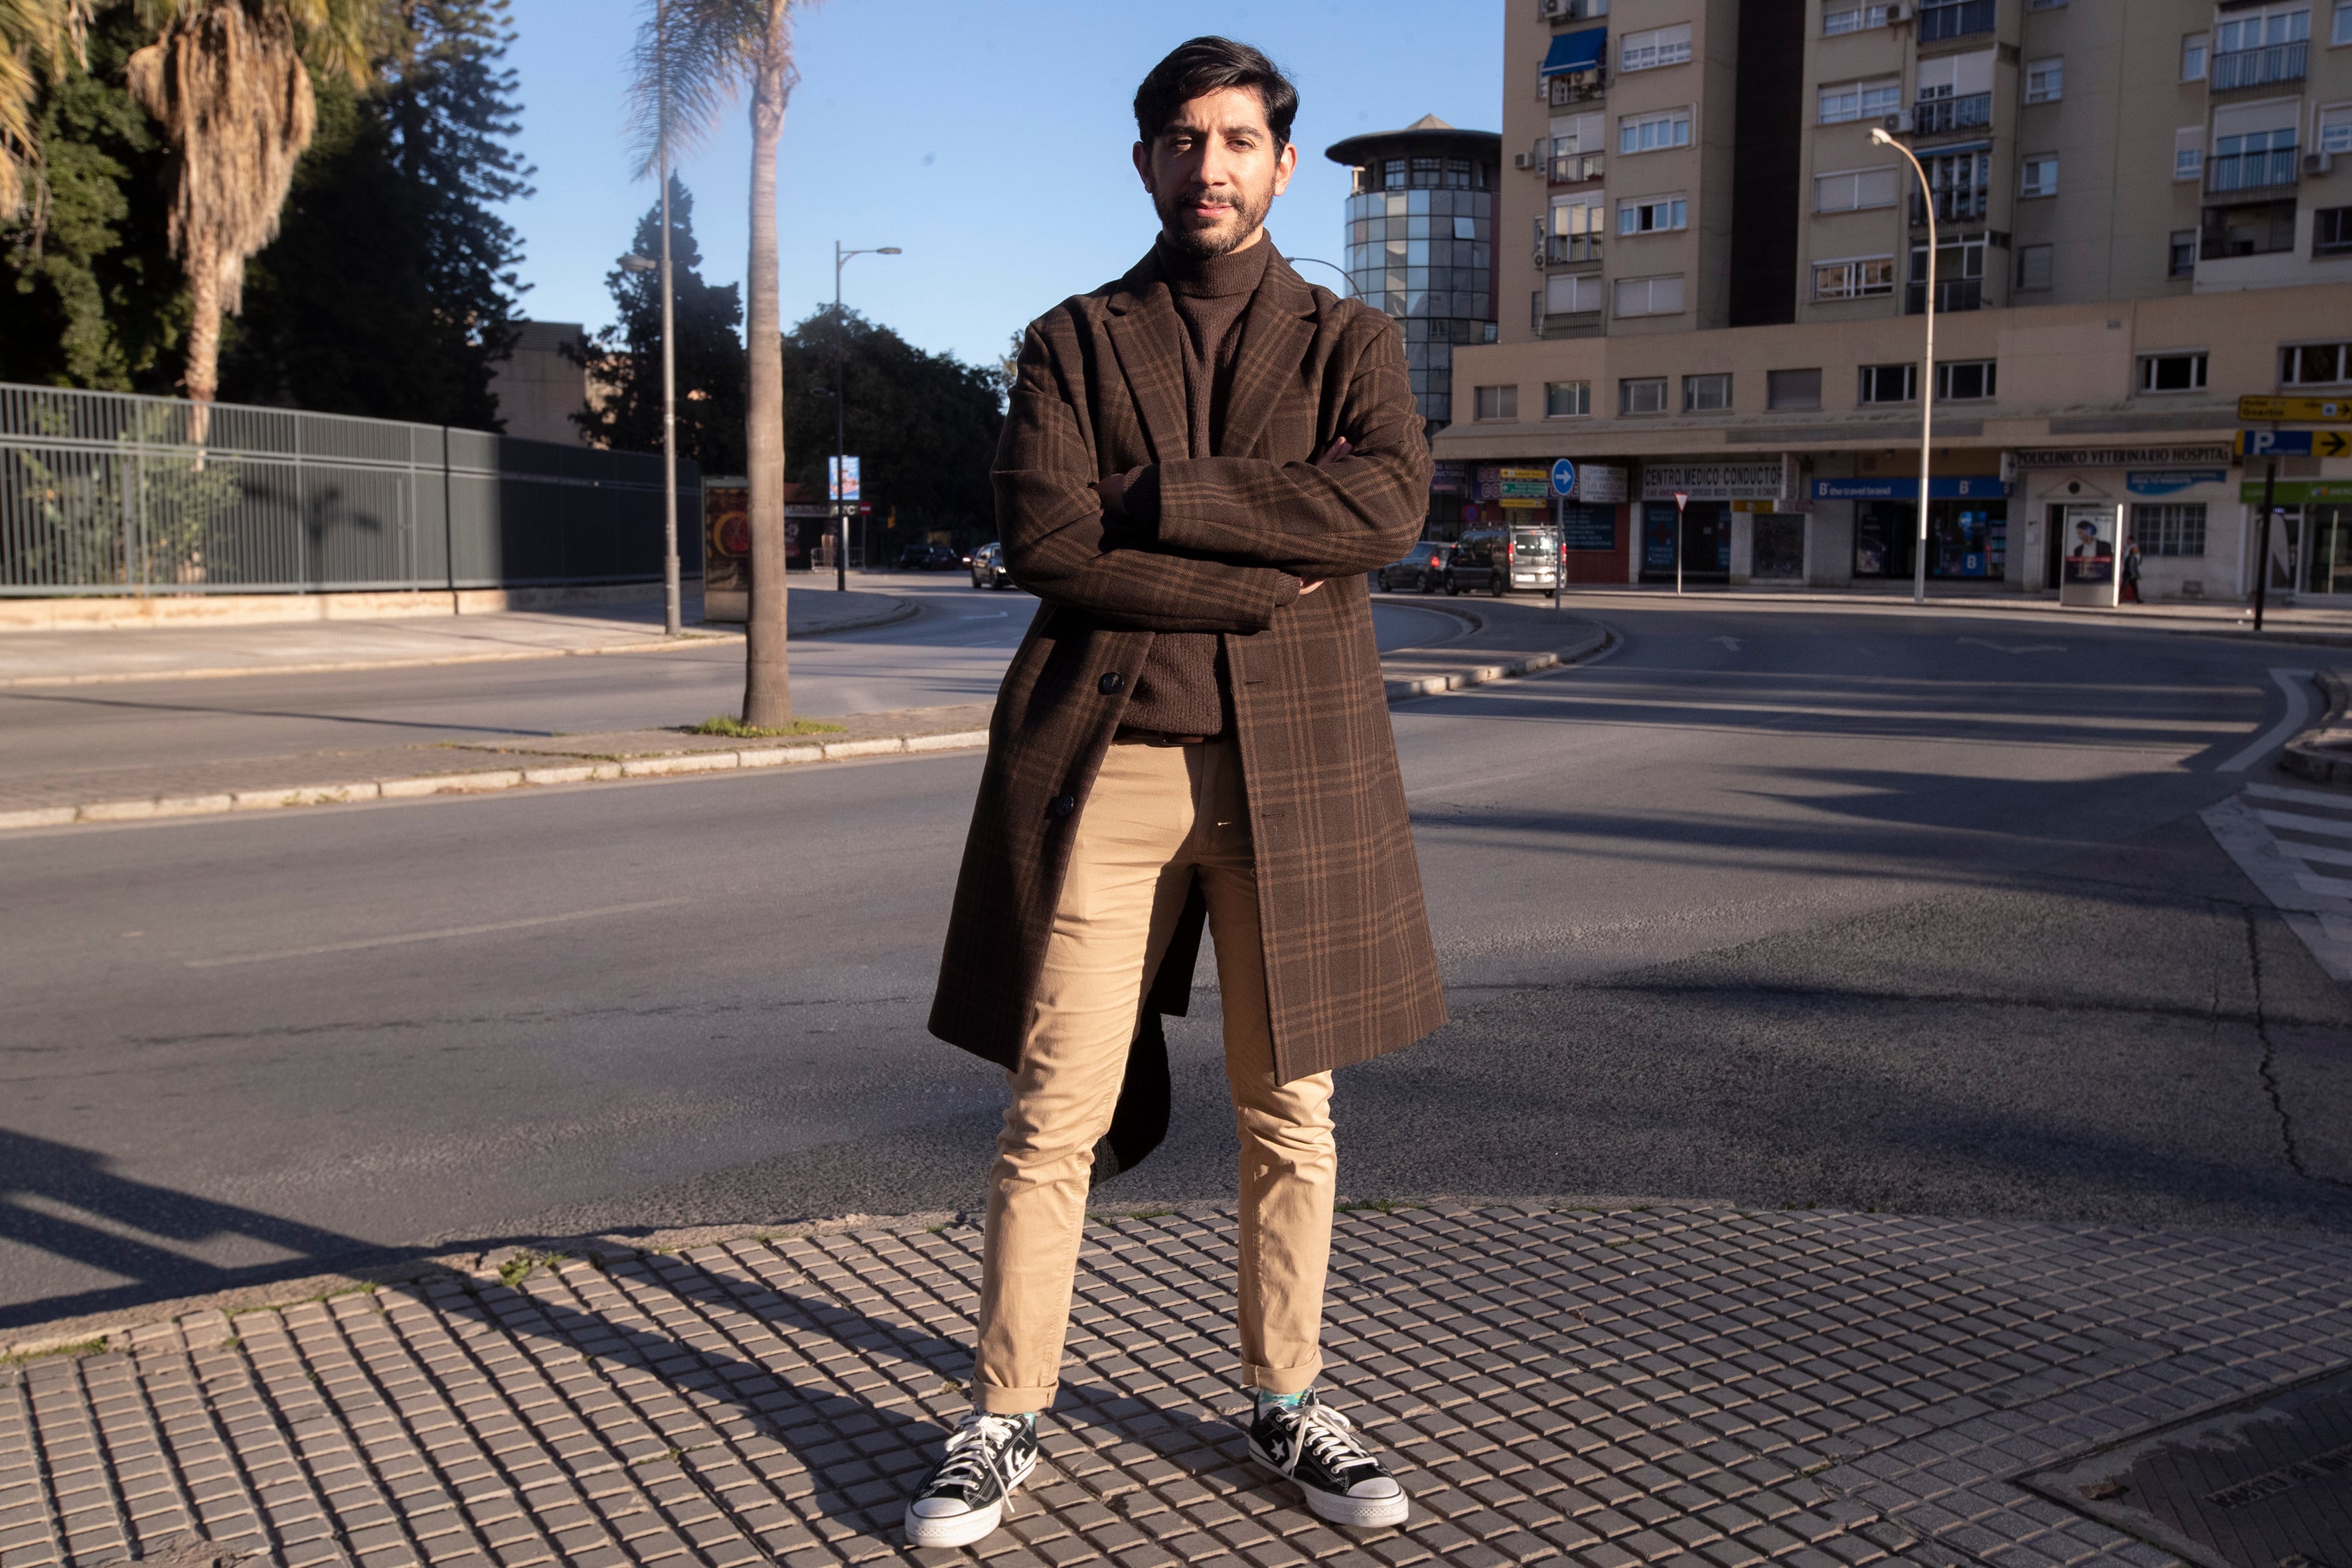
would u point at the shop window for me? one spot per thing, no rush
(1792, 389)
(2035, 266)
(1642, 395)
(2331, 231)
(1889, 384)
(1497, 402)
(1567, 399)
(2169, 528)
(1964, 380)
(2039, 177)
(2183, 262)
(2315, 364)
(1650, 296)
(1706, 394)
(1860, 277)
(2172, 373)
(2045, 80)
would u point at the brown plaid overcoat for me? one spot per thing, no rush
(1351, 972)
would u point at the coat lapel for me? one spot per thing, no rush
(1275, 336)
(1149, 343)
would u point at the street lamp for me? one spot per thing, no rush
(1347, 284)
(672, 624)
(840, 414)
(1927, 370)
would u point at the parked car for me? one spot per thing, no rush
(923, 557)
(988, 567)
(1499, 559)
(1422, 570)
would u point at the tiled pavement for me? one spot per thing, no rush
(1692, 1387)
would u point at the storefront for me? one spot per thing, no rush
(1726, 509)
(1593, 520)
(2179, 504)
(1968, 525)
(2311, 537)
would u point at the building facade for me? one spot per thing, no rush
(2142, 210)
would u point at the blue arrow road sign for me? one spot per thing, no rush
(1563, 478)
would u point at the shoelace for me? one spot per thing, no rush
(977, 1450)
(1328, 1435)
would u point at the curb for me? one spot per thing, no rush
(1503, 669)
(902, 611)
(2324, 752)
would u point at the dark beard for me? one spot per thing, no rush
(1196, 246)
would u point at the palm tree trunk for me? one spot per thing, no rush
(201, 380)
(766, 682)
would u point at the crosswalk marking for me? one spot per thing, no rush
(2299, 823)
(2300, 796)
(2278, 850)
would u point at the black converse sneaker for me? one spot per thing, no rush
(1316, 1447)
(963, 1497)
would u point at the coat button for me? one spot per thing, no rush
(1111, 685)
(1061, 805)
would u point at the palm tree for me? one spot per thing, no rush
(226, 80)
(693, 56)
(37, 38)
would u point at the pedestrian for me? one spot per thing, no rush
(2130, 591)
(1200, 463)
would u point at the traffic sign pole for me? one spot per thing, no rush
(1563, 485)
(1681, 500)
(2262, 550)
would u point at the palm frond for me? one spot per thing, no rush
(39, 39)
(691, 60)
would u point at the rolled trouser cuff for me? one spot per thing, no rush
(1284, 1379)
(995, 1401)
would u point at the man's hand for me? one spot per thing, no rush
(1307, 588)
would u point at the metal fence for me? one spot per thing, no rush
(105, 492)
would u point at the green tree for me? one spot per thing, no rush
(626, 356)
(922, 426)
(391, 288)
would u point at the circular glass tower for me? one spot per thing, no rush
(1420, 242)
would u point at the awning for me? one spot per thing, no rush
(1576, 52)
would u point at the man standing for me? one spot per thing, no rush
(1200, 463)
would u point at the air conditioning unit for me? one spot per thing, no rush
(2318, 163)
(1571, 10)
(1897, 123)
(1523, 160)
(1898, 13)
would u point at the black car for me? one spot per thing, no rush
(929, 558)
(988, 567)
(1423, 569)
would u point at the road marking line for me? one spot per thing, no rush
(2335, 886)
(434, 935)
(2301, 796)
(2315, 854)
(2298, 709)
(2294, 821)
(2021, 648)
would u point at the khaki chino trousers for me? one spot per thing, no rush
(1158, 816)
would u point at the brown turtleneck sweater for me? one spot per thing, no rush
(1182, 689)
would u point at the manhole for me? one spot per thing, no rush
(2260, 1485)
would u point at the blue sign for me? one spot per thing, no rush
(2172, 482)
(1563, 478)
(1977, 487)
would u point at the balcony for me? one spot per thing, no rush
(1577, 86)
(1940, 19)
(2260, 66)
(1560, 249)
(1951, 294)
(1574, 168)
(1954, 204)
(1939, 116)
(2274, 169)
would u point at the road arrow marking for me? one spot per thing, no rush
(2021, 647)
(1731, 643)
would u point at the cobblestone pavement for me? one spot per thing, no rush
(1687, 1386)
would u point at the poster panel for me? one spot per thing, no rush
(2088, 576)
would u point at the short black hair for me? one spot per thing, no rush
(1199, 66)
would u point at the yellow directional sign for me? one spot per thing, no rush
(2296, 410)
(2294, 443)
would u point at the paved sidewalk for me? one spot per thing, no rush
(183, 652)
(1611, 1385)
(2279, 617)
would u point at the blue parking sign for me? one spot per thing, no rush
(1563, 478)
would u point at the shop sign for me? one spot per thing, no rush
(1599, 484)
(2171, 481)
(1773, 480)
(1971, 486)
(2119, 457)
(1449, 480)
(2298, 492)
(1524, 484)
(1587, 527)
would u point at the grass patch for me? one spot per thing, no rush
(523, 1265)
(734, 729)
(79, 1347)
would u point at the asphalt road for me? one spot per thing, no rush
(1776, 904)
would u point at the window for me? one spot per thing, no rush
(1964, 380)
(2045, 5)
(1963, 186)
(2248, 229)
(2039, 177)
(2189, 153)
(1650, 296)
(2262, 28)
(2182, 262)
(2193, 50)
(1861, 278)
(2172, 373)
(1855, 190)
(2336, 128)
(1953, 18)
(2169, 528)
(2315, 364)
(1497, 403)
(1574, 294)
(1852, 18)
(2252, 161)
(1642, 395)
(1959, 273)
(2045, 80)
(1653, 215)
(1651, 132)
(1576, 228)
(1567, 399)
(2342, 31)
(1706, 394)
(1841, 101)
(2035, 266)
(1658, 47)
(1889, 384)
(1793, 388)
(2331, 231)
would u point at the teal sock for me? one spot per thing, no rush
(1288, 1401)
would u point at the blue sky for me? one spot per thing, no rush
(989, 140)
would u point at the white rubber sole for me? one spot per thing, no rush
(963, 1529)
(1357, 1512)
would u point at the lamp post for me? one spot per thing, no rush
(1927, 369)
(1347, 284)
(841, 414)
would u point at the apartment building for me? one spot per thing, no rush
(2141, 210)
